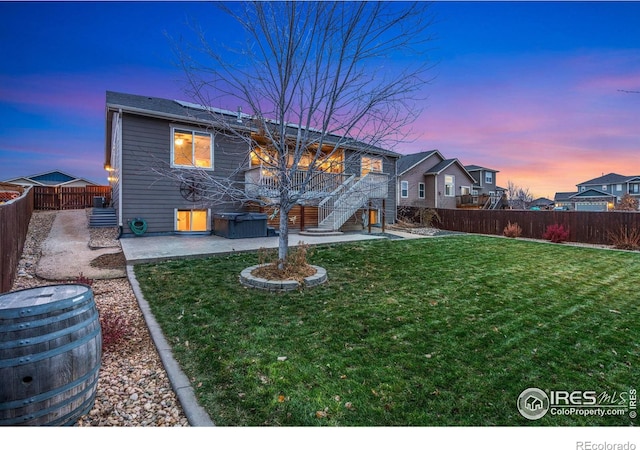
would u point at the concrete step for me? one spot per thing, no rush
(320, 232)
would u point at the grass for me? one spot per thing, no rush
(428, 332)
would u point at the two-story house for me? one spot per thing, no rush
(601, 193)
(429, 179)
(148, 135)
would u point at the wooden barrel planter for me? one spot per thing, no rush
(50, 355)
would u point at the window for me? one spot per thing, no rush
(604, 187)
(488, 177)
(420, 190)
(634, 188)
(371, 164)
(449, 185)
(191, 149)
(464, 190)
(192, 220)
(583, 188)
(618, 187)
(404, 189)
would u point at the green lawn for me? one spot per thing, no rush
(427, 332)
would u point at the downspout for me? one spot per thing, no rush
(436, 191)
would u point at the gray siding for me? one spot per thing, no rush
(146, 144)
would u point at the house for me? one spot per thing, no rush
(485, 181)
(144, 134)
(429, 179)
(542, 203)
(601, 193)
(53, 178)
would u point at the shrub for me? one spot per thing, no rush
(295, 267)
(556, 233)
(512, 230)
(625, 239)
(114, 328)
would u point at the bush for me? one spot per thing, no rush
(114, 328)
(512, 230)
(295, 266)
(625, 239)
(556, 233)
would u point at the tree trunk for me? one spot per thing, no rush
(283, 238)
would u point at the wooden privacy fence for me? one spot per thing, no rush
(584, 226)
(14, 224)
(45, 197)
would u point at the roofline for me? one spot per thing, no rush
(428, 154)
(114, 107)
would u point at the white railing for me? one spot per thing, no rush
(264, 182)
(340, 195)
(328, 204)
(351, 198)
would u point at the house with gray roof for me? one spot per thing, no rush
(162, 156)
(428, 179)
(600, 193)
(52, 178)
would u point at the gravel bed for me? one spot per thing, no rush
(133, 387)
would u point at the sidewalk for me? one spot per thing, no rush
(66, 253)
(145, 249)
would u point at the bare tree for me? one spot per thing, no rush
(517, 196)
(315, 79)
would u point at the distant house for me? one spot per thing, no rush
(542, 203)
(601, 193)
(429, 179)
(486, 181)
(54, 178)
(143, 133)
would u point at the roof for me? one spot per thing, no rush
(408, 162)
(542, 201)
(51, 178)
(473, 168)
(442, 165)
(564, 196)
(610, 178)
(195, 113)
(591, 193)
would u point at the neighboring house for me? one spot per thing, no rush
(54, 178)
(601, 193)
(542, 203)
(143, 133)
(430, 180)
(486, 181)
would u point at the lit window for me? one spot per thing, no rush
(449, 185)
(404, 189)
(371, 164)
(192, 220)
(420, 190)
(191, 149)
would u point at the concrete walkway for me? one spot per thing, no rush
(146, 249)
(66, 253)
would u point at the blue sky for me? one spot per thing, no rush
(533, 89)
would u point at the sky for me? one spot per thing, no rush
(547, 93)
